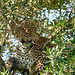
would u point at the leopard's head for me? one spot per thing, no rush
(24, 30)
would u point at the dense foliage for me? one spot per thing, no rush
(54, 18)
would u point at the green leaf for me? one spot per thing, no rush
(4, 13)
(9, 4)
(73, 41)
(4, 8)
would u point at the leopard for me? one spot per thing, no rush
(30, 58)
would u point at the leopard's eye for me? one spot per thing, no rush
(21, 28)
(33, 27)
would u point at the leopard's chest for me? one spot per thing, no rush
(24, 57)
(25, 60)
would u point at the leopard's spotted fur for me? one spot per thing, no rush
(29, 55)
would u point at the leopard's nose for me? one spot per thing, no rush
(26, 30)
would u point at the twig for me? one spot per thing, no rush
(69, 19)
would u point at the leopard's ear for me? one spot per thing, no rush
(35, 24)
(17, 21)
(12, 24)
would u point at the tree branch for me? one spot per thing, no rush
(69, 19)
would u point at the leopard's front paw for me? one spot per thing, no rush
(10, 64)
